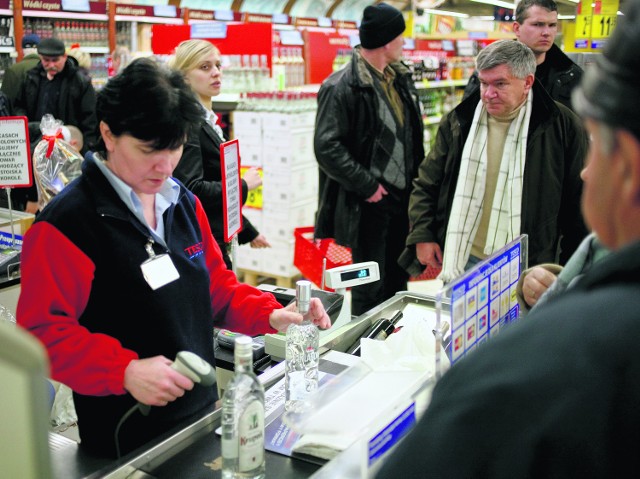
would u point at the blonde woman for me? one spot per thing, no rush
(199, 167)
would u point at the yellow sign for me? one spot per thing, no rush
(254, 197)
(583, 26)
(602, 26)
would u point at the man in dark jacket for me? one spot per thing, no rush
(14, 75)
(500, 167)
(536, 25)
(557, 395)
(369, 143)
(56, 86)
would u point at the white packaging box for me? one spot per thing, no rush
(280, 221)
(288, 121)
(255, 216)
(250, 154)
(286, 187)
(249, 258)
(299, 140)
(278, 260)
(277, 158)
(247, 122)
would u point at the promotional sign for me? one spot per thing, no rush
(231, 188)
(254, 197)
(605, 13)
(15, 161)
(483, 300)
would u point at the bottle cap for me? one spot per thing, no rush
(303, 295)
(243, 345)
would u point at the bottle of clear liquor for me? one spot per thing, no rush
(301, 355)
(243, 418)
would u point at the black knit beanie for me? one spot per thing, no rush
(380, 24)
(609, 89)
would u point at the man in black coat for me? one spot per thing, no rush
(558, 393)
(56, 86)
(368, 143)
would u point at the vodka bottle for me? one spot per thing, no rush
(301, 356)
(243, 418)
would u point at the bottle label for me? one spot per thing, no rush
(251, 437)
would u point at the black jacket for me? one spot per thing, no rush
(77, 102)
(199, 170)
(348, 135)
(563, 76)
(556, 395)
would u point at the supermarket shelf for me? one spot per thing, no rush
(432, 120)
(426, 84)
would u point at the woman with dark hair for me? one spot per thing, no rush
(120, 272)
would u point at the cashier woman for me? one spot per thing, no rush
(120, 272)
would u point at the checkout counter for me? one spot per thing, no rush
(194, 451)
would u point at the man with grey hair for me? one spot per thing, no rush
(506, 161)
(558, 395)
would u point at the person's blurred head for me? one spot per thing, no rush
(53, 56)
(82, 57)
(199, 62)
(536, 25)
(607, 99)
(145, 114)
(120, 58)
(382, 26)
(30, 43)
(506, 70)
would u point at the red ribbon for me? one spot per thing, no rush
(51, 140)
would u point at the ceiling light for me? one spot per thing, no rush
(444, 12)
(498, 3)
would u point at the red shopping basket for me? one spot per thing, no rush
(309, 254)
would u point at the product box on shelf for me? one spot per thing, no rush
(288, 121)
(247, 125)
(285, 187)
(250, 154)
(280, 221)
(249, 258)
(282, 159)
(278, 260)
(299, 140)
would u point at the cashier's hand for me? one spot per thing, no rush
(429, 254)
(154, 382)
(535, 283)
(280, 319)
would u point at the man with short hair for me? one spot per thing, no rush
(368, 143)
(506, 161)
(536, 25)
(558, 394)
(15, 74)
(57, 87)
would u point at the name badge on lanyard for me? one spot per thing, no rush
(158, 270)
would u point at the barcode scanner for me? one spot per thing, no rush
(187, 363)
(192, 366)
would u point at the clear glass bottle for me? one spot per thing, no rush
(243, 418)
(301, 355)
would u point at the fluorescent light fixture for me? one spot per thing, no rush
(444, 12)
(498, 3)
(566, 17)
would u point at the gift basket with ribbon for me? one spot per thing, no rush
(55, 161)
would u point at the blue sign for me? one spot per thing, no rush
(484, 299)
(209, 30)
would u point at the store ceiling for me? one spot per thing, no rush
(349, 9)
